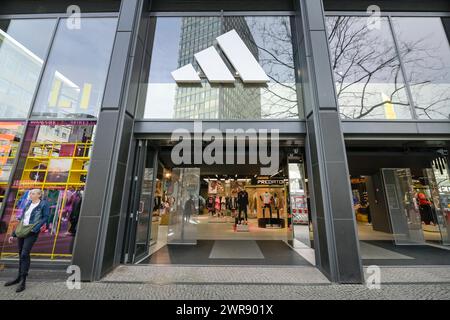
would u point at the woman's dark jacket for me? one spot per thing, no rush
(39, 215)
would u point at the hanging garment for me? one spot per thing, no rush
(217, 203)
(210, 203)
(233, 203)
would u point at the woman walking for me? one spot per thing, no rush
(35, 215)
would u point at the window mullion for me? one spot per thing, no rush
(403, 70)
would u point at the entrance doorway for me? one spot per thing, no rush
(395, 204)
(400, 203)
(218, 214)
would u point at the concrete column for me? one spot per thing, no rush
(335, 234)
(104, 207)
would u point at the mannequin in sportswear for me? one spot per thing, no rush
(242, 204)
(266, 199)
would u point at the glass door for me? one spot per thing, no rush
(183, 198)
(402, 205)
(299, 211)
(142, 199)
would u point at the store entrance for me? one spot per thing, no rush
(401, 206)
(218, 214)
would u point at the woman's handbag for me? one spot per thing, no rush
(23, 231)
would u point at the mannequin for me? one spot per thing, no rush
(265, 198)
(242, 204)
(276, 205)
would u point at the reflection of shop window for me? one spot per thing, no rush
(59, 167)
(10, 137)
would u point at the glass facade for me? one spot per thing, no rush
(65, 70)
(369, 81)
(425, 52)
(54, 158)
(22, 55)
(178, 39)
(75, 75)
(398, 68)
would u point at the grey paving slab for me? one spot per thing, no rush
(216, 274)
(416, 274)
(103, 291)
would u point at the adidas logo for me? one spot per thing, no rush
(215, 69)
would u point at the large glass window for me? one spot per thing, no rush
(23, 47)
(178, 39)
(425, 53)
(75, 75)
(367, 71)
(54, 158)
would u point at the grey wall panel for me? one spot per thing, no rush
(105, 143)
(388, 5)
(110, 244)
(348, 261)
(97, 180)
(59, 6)
(312, 141)
(323, 74)
(430, 127)
(133, 86)
(337, 176)
(294, 128)
(116, 73)
(324, 258)
(318, 198)
(390, 129)
(379, 127)
(127, 132)
(118, 190)
(85, 245)
(332, 130)
(217, 5)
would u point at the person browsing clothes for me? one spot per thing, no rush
(35, 215)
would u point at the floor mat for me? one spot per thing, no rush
(370, 251)
(237, 249)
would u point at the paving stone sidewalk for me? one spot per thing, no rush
(235, 283)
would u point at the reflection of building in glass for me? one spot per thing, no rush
(219, 101)
(19, 74)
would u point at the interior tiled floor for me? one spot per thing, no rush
(387, 253)
(228, 252)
